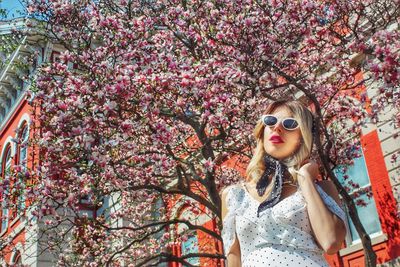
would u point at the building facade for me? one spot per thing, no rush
(20, 55)
(377, 170)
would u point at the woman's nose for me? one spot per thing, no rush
(278, 127)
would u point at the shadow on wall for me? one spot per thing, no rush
(391, 226)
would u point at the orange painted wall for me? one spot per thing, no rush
(9, 130)
(206, 243)
(356, 259)
(383, 194)
(209, 245)
(334, 260)
(9, 250)
(385, 204)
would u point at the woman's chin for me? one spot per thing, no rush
(277, 153)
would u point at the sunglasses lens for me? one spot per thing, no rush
(290, 124)
(270, 120)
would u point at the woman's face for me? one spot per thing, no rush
(279, 142)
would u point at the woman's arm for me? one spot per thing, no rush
(329, 230)
(233, 255)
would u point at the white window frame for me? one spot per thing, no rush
(8, 146)
(349, 241)
(21, 199)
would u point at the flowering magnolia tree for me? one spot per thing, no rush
(150, 98)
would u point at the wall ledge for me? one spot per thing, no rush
(375, 239)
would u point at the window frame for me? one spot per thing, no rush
(185, 213)
(16, 258)
(193, 246)
(19, 210)
(23, 133)
(350, 242)
(6, 159)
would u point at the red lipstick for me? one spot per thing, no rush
(276, 139)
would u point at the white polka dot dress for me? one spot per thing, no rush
(279, 236)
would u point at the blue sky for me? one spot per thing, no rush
(12, 7)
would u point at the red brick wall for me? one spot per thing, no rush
(9, 130)
(383, 194)
(385, 204)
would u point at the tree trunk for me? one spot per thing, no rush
(369, 253)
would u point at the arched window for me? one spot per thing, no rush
(190, 242)
(5, 169)
(22, 158)
(191, 245)
(17, 261)
(23, 147)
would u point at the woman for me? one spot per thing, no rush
(280, 216)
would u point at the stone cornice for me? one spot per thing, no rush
(15, 70)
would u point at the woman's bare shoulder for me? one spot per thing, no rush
(225, 202)
(226, 189)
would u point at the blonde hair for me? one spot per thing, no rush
(304, 116)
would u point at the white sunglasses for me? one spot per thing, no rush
(289, 124)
